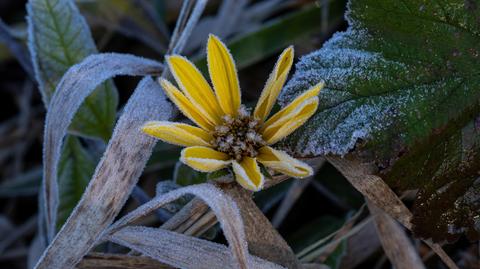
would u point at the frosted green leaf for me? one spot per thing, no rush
(75, 169)
(184, 175)
(59, 38)
(402, 94)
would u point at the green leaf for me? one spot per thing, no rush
(75, 169)
(402, 96)
(223, 175)
(59, 38)
(185, 175)
(279, 34)
(163, 156)
(126, 17)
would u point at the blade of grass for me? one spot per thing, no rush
(108, 261)
(221, 204)
(380, 194)
(264, 241)
(181, 251)
(396, 244)
(289, 200)
(76, 85)
(113, 179)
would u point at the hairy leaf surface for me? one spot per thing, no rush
(402, 96)
(59, 38)
(76, 167)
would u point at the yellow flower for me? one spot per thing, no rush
(228, 134)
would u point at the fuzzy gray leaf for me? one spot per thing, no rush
(180, 250)
(221, 204)
(118, 170)
(76, 85)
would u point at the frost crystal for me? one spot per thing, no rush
(345, 113)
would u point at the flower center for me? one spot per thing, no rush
(238, 136)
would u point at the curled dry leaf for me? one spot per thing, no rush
(76, 85)
(381, 195)
(221, 204)
(98, 260)
(181, 251)
(263, 239)
(113, 179)
(396, 244)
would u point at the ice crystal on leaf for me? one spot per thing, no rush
(401, 88)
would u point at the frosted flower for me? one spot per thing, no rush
(227, 133)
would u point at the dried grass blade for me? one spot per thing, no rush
(184, 27)
(108, 261)
(263, 239)
(373, 188)
(76, 85)
(379, 193)
(115, 176)
(187, 216)
(395, 242)
(180, 250)
(221, 204)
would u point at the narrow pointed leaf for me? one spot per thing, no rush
(219, 202)
(115, 176)
(181, 251)
(76, 85)
(398, 248)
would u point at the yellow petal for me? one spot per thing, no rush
(288, 123)
(177, 133)
(204, 159)
(223, 75)
(248, 174)
(187, 108)
(281, 162)
(274, 84)
(194, 86)
(312, 92)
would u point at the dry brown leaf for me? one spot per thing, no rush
(395, 242)
(115, 176)
(119, 261)
(182, 251)
(76, 85)
(381, 195)
(221, 204)
(263, 239)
